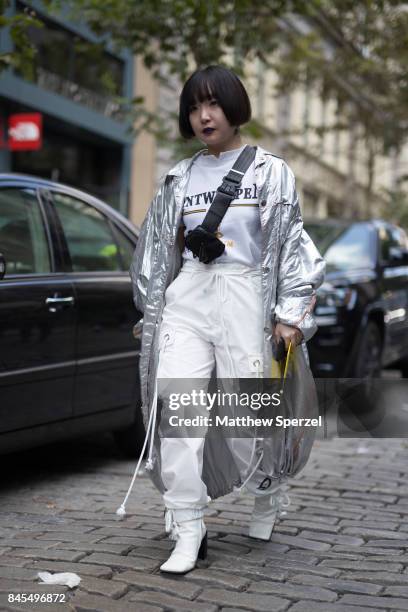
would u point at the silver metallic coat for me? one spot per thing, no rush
(292, 269)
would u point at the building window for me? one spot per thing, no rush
(307, 101)
(261, 72)
(310, 202)
(335, 208)
(283, 117)
(69, 65)
(336, 139)
(323, 126)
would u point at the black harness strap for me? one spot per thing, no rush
(226, 192)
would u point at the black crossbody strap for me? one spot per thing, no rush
(226, 192)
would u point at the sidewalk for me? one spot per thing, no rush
(340, 548)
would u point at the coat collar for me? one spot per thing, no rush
(182, 167)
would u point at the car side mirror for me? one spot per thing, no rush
(398, 256)
(2, 265)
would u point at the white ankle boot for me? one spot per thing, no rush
(266, 510)
(191, 544)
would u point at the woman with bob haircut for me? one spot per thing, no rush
(222, 312)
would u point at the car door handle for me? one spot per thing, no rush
(58, 300)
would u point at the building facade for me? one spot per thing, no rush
(86, 140)
(331, 165)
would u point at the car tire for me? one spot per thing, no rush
(360, 410)
(130, 440)
(368, 362)
(403, 367)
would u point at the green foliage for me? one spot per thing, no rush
(21, 53)
(352, 50)
(172, 32)
(358, 52)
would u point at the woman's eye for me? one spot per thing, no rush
(213, 102)
(193, 108)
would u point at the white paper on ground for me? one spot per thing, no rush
(361, 450)
(67, 578)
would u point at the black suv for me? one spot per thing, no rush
(68, 359)
(362, 307)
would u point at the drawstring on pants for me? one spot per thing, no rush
(151, 427)
(281, 501)
(170, 525)
(252, 472)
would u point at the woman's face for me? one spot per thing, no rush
(210, 125)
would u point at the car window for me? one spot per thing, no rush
(398, 236)
(23, 240)
(344, 247)
(126, 247)
(91, 243)
(393, 241)
(388, 240)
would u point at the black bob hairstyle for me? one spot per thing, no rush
(214, 82)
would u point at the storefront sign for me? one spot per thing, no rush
(25, 132)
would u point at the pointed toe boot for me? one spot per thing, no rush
(191, 544)
(266, 510)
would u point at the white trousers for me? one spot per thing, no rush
(213, 316)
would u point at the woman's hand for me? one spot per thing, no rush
(289, 333)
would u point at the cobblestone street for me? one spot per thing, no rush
(342, 547)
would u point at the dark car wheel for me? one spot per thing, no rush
(368, 362)
(361, 407)
(130, 440)
(403, 367)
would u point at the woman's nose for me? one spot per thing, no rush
(204, 114)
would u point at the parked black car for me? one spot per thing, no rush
(68, 359)
(362, 307)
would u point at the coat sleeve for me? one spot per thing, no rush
(145, 252)
(301, 267)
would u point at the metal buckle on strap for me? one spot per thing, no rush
(228, 188)
(237, 171)
(232, 179)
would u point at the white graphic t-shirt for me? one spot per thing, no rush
(240, 229)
